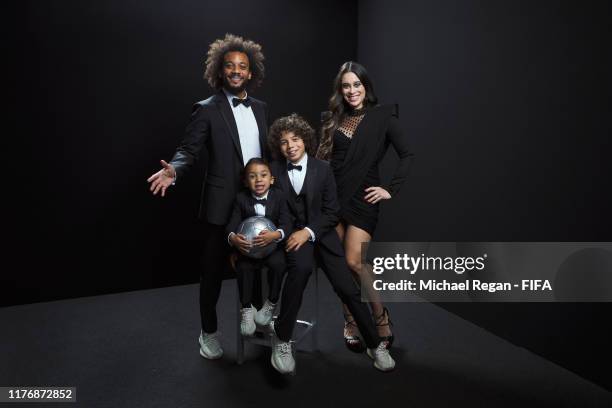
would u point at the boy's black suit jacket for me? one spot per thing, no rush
(322, 206)
(213, 132)
(276, 210)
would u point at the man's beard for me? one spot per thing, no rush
(235, 90)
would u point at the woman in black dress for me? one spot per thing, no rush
(356, 134)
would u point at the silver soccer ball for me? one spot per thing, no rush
(250, 228)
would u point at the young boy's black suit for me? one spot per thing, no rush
(247, 268)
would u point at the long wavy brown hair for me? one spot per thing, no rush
(231, 42)
(338, 106)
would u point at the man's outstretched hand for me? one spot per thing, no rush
(163, 179)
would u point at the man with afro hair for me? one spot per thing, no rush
(229, 128)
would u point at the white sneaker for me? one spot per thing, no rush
(210, 347)
(247, 322)
(382, 359)
(264, 315)
(282, 356)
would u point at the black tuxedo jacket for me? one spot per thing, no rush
(276, 210)
(213, 132)
(379, 128)
(322, 206)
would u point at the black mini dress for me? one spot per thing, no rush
(359, 145)
(357, 211)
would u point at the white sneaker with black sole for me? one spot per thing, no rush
(247, 321)
(382, 359)
(210, 347)
(264, 315)
(282, 356)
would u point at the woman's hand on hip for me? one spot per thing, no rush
(375, 194)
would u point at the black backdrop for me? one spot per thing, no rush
(506, 103)
(104, 91)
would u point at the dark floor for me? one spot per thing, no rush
(139, 349)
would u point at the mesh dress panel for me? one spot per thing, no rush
(349, 124)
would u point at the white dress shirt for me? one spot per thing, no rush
(260, 209)
(296, 177)
(248, 132)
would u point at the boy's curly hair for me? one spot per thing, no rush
(220, 47)
(292, 123)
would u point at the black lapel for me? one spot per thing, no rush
(310, 180)
(228, 116)
(260, 117)
(283, 178)
(247, 205)
(270, 204)
(367, 137)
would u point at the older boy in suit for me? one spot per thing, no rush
(311, 193)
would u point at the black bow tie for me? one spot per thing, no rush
(261, 201)
(291, 166)
(237, 101)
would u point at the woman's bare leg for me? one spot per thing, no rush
(350, 328)
(354, 237)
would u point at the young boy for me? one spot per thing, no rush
(259, 199)
(310, 188)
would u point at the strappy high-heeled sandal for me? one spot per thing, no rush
(388, 340)
(353, 343)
